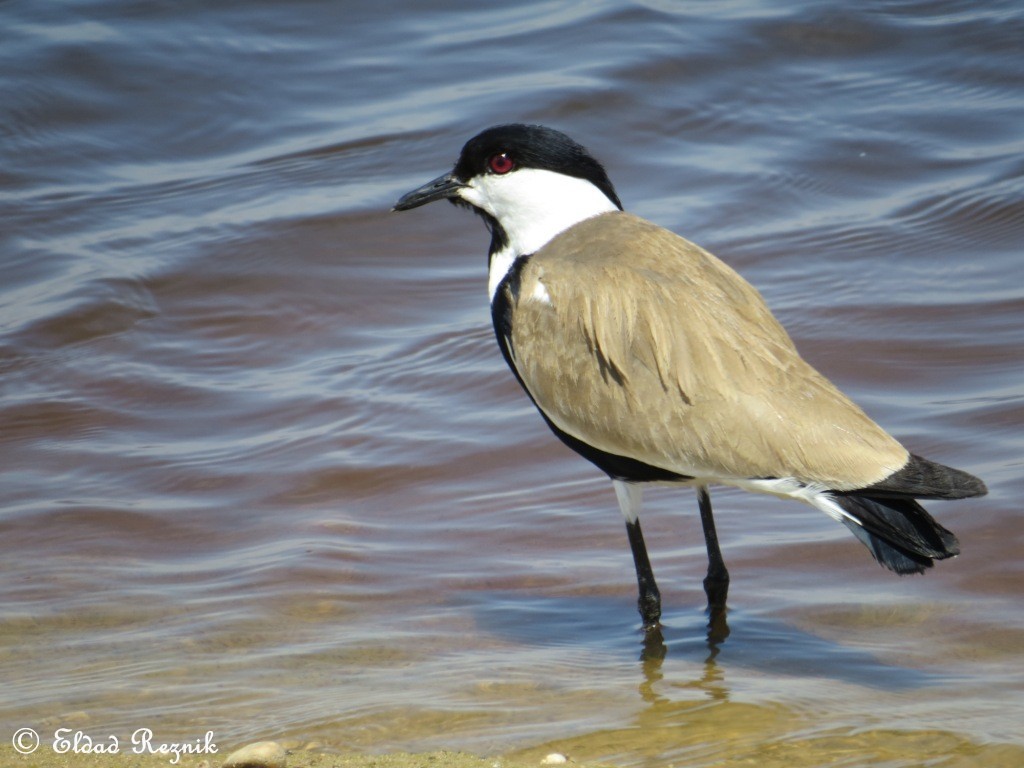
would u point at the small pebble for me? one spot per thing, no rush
(262, 754)
(555, 758)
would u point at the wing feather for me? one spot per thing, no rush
(649, 346)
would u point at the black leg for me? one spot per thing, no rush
(716, 583)
(650, 598)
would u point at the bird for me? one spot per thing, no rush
(658, 363)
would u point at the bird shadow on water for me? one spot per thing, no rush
(751, 640)
(717, 640)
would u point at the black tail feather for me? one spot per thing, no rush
(900, 534)
(923, 479)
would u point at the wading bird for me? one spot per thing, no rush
(657, 362)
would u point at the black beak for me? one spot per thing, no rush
(440, 188)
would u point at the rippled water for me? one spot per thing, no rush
(265, 472)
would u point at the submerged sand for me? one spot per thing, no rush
(298, 758)
(906, 749)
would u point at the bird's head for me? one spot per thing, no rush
(528, 182)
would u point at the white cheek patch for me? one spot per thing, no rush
(533, 205)
(473, 196)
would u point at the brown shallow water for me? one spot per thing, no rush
(264, 471)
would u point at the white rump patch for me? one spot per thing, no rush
(815, 494)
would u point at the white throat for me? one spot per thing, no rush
(532, 206)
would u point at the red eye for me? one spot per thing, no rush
(501, 163)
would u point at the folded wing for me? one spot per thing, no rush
(642, 344)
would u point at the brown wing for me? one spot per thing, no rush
(642, 344)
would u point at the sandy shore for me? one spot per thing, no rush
(737, 742)
(896, 748)
(297, 758)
